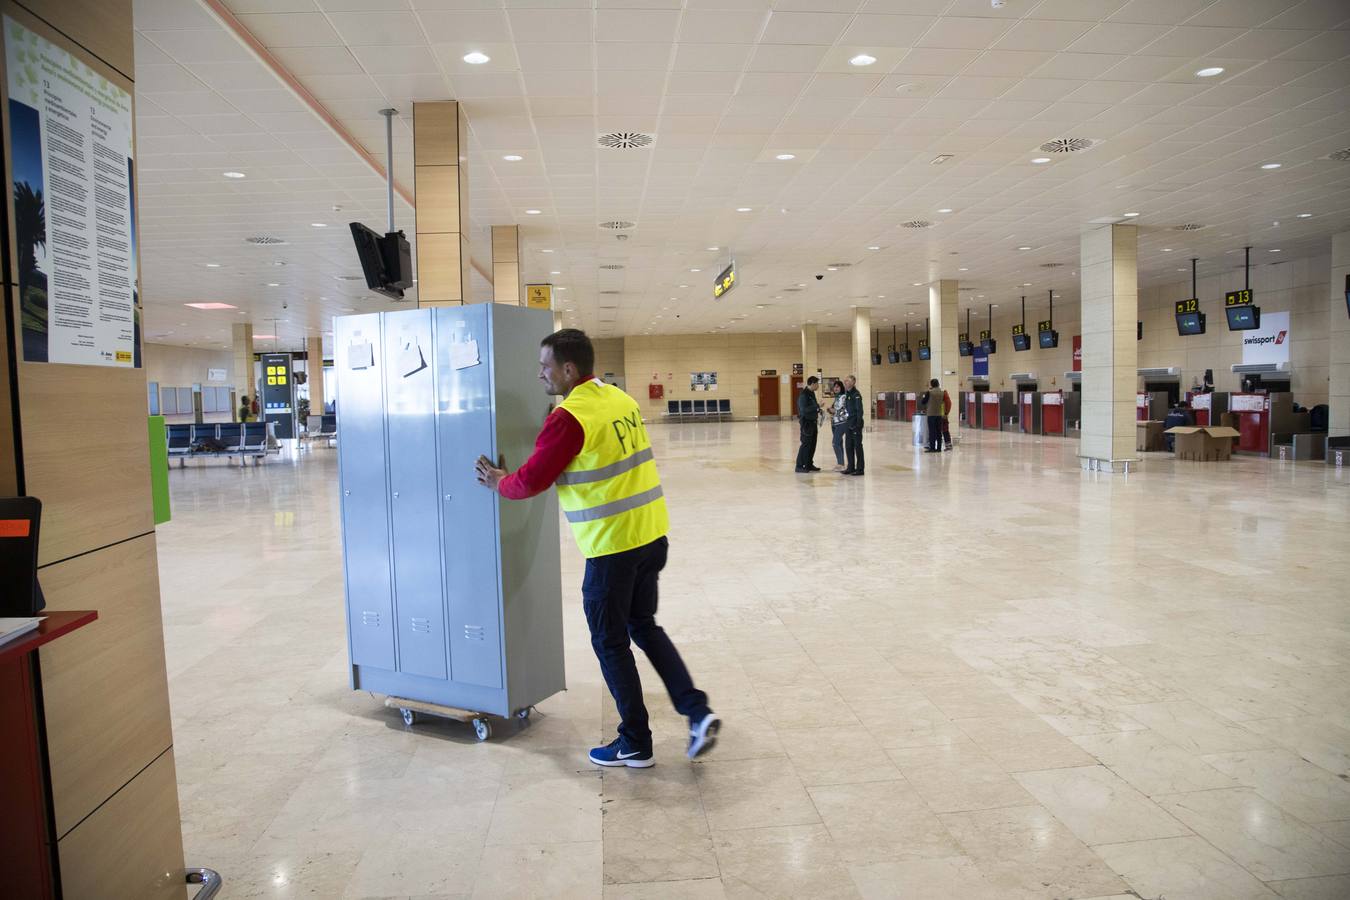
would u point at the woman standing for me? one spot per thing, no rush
(839, 420)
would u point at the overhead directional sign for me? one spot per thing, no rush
(539, 296)
(725, 281)
(1243, 297)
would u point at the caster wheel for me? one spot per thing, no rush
(524, 713)
(409, 716)
(482, 729)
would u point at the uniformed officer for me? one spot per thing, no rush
(595, 448)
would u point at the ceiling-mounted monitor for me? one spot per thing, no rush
(386, 260)
(1190, 323)
(925, 353)
(1243, 318)
(1021, 342)
(1049, 340)
(965, 347)
(905, 354)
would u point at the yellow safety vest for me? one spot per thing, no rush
(610, 492)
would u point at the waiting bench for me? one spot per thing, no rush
(241, 439)
(697, 410)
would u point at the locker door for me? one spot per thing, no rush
(469, 510)
(358, 358)
(414, 501)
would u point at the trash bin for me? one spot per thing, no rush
(920, 423)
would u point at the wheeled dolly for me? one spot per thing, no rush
(412, 710)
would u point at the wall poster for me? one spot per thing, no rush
(702, 381)
(1269, 343)
(70, 142)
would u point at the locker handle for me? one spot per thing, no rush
(395, 495)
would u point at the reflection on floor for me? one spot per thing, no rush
(984, 674)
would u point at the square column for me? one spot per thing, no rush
(241, 337)
(507, 281)
(1338, 335)
(810, 355)
(1109, 273)
(314, 374)
(441, 183)
(942, 330)
(862, 355)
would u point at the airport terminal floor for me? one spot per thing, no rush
(980, 675)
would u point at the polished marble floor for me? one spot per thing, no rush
(984, 675)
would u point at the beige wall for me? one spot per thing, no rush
(172, 366)
(609, 356)
(1048, 365)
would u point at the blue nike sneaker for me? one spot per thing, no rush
(703, 734)
(618, 753)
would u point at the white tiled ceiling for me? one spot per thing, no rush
(726, 86)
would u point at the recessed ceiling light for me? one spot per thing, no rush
(714, 249)
(210, 306)
(1271, 165)
(555, 273)
(1304, 216)
(273, 284)
(831, 268)
(512, 157)
(1130, 215)
(786, 156)
(944, 210)
(1024, 284)
(1040, 160)
(234, 174)
(742, 209)
(873, 248)
(683, 286)
(918, 284)
(1167, 249)
(532, 212)
(963, 269)
(476, 58)
(862, 59)
(1209, 71)
(545, 251)
(318, 224)
(213, 265)
(1276, 250)
(562, 288)
(1023, 248)
(695, 270)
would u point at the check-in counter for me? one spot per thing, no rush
(1073, 414)
(911, 404)
(1208, 409)
(1260, 417)
(1029, 412)
(1150, 406)
(972, 399)
(1052, 413)
(893, 402)
(991, 419)
(881, 405)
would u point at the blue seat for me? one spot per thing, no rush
(254, 437)
(328, 423)
(231, 434)
(686, 407)
(205, 431)
(672, 407)
(700, 407)
(724, 407)
(179, 438)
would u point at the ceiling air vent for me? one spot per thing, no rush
(616, 225)
(610, 293)
(1340, 155)
(611, 267)
(1068, 145)
(350, 277)
(917, 223)
(1189, 226)
(1051, 265)
(625, 140)
(792, 290)
(264, 240)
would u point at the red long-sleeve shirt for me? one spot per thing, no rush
(558, 443)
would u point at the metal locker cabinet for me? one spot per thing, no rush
(469, 511)
(410, 417)
(358, 355)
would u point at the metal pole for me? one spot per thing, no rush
(1193, 261)
(389, 159)
(1247, 268)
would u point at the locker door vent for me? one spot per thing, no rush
(474, 633)
(420, 625)
(370, 617)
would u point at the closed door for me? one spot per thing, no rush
(768, 396)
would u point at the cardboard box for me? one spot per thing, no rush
(1208, 443)
(1149, 436)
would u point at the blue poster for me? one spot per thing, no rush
(981, 360)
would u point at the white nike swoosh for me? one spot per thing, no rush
(630, 755)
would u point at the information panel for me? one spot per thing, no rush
(70, 142)
(277, 393)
